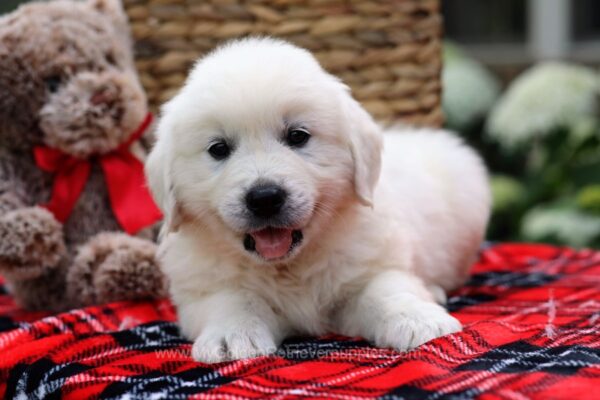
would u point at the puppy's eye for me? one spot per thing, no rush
(297, 137)
(52, 83)
(219, 150)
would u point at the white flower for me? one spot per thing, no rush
(469, 92)
(546, 97)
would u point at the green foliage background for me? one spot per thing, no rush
(541, 141)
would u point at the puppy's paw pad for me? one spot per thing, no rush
(415, 326)
(248, 340)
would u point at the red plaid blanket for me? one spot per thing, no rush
(531, 316)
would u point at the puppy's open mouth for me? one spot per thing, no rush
(272, 243)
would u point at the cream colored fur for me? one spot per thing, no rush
(379, 249)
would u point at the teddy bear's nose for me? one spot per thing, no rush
(102, 96)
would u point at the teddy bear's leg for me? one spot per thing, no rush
(113, 267)
(31, 243)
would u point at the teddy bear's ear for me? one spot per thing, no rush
(111, 8)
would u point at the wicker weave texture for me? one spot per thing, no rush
(388, 51)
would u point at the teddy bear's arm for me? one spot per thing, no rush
(31, 239)
(17, 174)
(10, 198)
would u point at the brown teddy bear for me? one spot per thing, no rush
(71, 113)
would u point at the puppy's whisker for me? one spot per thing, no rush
(327, 212)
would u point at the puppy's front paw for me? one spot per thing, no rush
(410, 322)
(244, 339)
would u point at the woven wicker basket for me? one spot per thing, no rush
(388, 51)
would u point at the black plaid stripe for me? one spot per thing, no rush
(7, 324)
(457, 303)
(520, 356)
(157, 384)
(40, 379)
(512, 279)
(150, 337)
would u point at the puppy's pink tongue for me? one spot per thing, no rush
(272, 242)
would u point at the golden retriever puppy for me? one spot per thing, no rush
(285, 216)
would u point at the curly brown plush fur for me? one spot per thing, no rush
(67, 80)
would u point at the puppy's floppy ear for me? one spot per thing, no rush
(158, 172)
(366, 143)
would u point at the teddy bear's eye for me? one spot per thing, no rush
(110, 58)
(52, 83)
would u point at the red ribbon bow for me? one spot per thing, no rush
(130, 199)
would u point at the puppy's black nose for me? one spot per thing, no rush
(266, 200)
